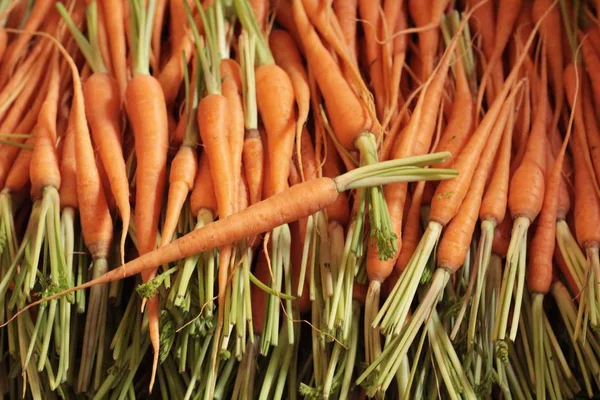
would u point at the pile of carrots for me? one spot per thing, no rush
(254, 199)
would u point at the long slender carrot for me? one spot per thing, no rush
(288, 57)
(156, 41)
(570, 78)
(232, 90)
(346, 14)
(445, 204)
(68, 172)
(290, 205)
(114, 19)
(552, 27)
(462, 119)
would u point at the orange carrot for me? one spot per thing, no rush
(202, 195)
(508, 13)
(551, 27)
(156, 40)
(253, 161)
(461, 122)
(147, 111)
(570, 75)
(345, 10)
(68, 172)
(115, 22)
(452, 249)
(370, 13)
(181, 180)
(261, 12)
(287, 56)
(232, 90)
(346, 113)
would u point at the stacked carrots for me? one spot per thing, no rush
(299, 198)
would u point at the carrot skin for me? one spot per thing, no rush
(147, 112)
(276, 101)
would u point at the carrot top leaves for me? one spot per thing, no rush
(247, 44)
(89, 47)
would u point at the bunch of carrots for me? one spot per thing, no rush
(253, 199)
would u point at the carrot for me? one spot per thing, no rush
(184, 164)
(592, 61)
(287, 56)
(415, 139)
(492, 214)
(290, 205)
(97, 230)
(340, 210)
(484, 25)
(171, 75)
(370, 13)
(347, 115)
(20, 120)
(213, 120)
(114, 20)
(346, 10)
(261, 12)
(397, 53)
(44, 169)
(147, 111)
(525, 198)
(461, 122)
(232, 90)
(156, 41)
(14, 51)
(68, 172)
(445, 204)
(253, 165)
(539, 272)
(411, 230)
(427, 14)
(592, 129)
(202, 195)
(552, 27)
(542, 247)
(452, 249)
(456, 241)
(575, 100)
(587, 206)
(508, 13)
(181, 179)
(102, 98)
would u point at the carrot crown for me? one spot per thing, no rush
(141, 17)
(89, 48)
(248, 20)
(207, 49)
(450, 27)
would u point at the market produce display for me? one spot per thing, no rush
(285, 199)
